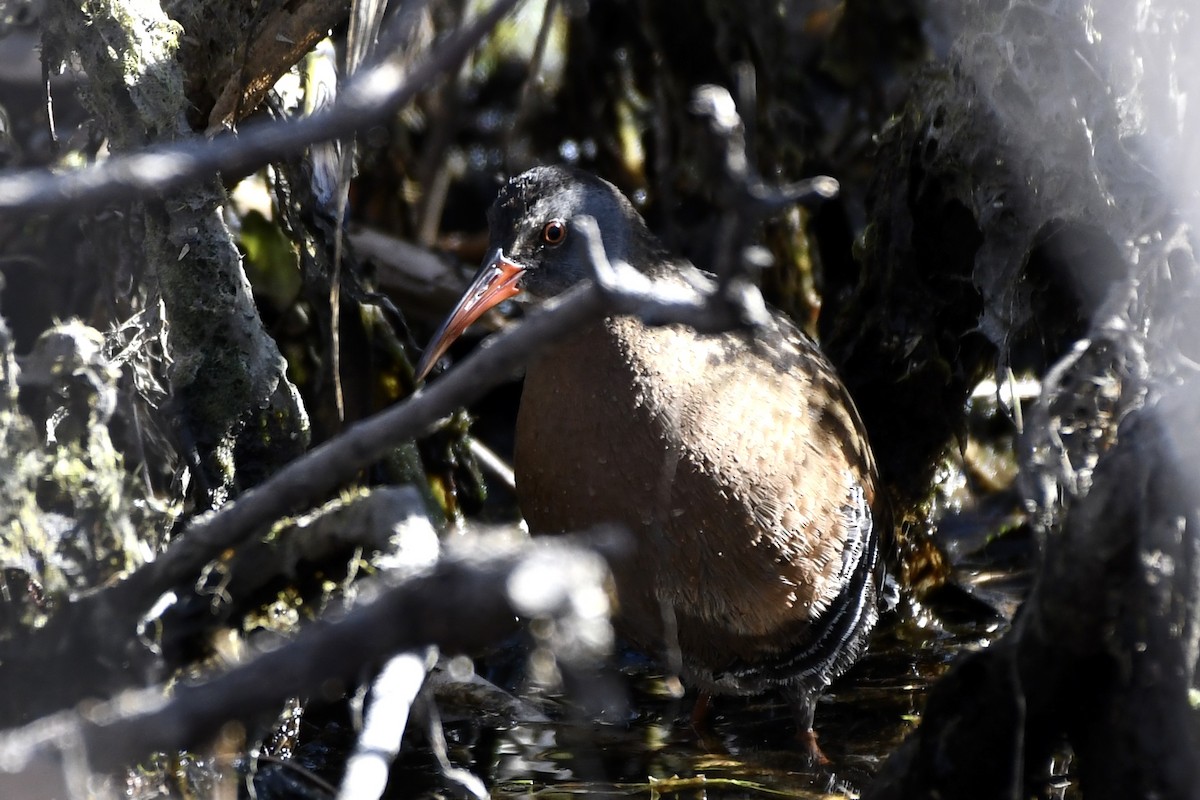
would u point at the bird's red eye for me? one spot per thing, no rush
(555, 232)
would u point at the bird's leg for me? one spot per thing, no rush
(803, 703)
(702, 723)
(700, 711)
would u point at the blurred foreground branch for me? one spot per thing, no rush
(464, 603)
(372, 97)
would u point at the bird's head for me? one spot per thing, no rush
(535, 246)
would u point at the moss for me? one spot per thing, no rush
(226, 368)
(71, 517)
(127, 45)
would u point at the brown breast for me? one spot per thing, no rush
(735, 462)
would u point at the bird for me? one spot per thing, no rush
(736, 459)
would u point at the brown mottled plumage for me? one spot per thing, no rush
(737, 460)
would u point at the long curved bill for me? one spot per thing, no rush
(495, 282)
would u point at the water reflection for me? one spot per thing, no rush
(750, 750)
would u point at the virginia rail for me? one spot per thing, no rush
(736, 459)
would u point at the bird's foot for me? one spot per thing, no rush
(700, 713)
(810, 748)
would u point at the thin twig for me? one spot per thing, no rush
(49, 106)
(533, 72)
(490, 461)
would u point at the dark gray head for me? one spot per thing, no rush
(534, 224)
(535, 245)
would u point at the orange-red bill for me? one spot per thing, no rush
(495, 282)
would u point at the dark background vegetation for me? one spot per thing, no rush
(181, 332)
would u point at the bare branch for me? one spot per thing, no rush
(371, 98)
(745, 198)
(696, 302)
